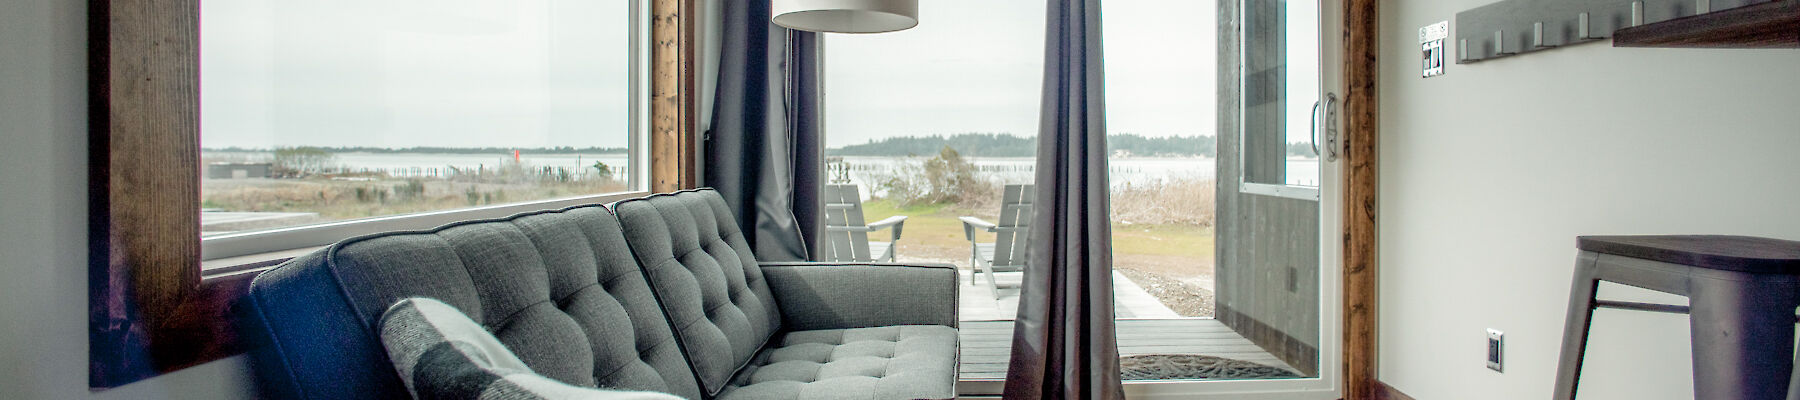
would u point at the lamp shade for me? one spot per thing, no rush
(846, 16)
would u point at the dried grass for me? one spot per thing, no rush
(1179, 202)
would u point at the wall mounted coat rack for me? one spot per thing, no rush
(1514, 27)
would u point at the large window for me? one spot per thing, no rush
(322, 120)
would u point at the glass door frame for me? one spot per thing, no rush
(1330, 193)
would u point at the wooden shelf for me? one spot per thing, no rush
(1773, 24)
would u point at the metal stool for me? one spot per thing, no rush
(1742, 292)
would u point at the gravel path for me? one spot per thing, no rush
(1185, 298)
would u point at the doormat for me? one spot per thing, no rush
(1151, 367)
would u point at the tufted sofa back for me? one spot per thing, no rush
(559, 288)
(706, 277)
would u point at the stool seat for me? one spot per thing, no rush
(1721, 252)
(1741, 291)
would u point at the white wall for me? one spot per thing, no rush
(43, 214)
(1489, 172)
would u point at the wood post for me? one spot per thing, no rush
(673, 91)
(1361, 110)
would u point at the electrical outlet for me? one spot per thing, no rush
(1496, 345)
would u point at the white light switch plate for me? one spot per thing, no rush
(1431, 46)
(1496, 347)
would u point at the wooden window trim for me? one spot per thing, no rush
(673, 95)
(150, 309)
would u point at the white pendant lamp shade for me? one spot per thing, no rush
(846, 16)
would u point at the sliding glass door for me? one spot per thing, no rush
(1225, 282)
(1226, 273)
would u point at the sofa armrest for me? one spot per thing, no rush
(857, 295)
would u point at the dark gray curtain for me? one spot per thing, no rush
(764, 152)
(1064, 344)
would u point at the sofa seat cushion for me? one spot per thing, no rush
(888, 362)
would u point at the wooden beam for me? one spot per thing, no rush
(143, 180)
(1361, 110)
(673, 95)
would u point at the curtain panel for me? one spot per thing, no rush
(1064, 341)
(765, 150)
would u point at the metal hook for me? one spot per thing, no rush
(1500, 43)
(1582, 29)
(1637, 13)
(1537, 36)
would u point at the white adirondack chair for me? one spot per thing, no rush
(848, 236)
(1009, 251)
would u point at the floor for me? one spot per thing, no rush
(986, 345)
(1145, 326)
(977, 303)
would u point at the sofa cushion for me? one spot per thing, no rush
(706, 277)
(441, 354)
(558, 288)
(890, 362)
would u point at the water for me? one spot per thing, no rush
(1134, 171)
(440, 164)
(1130, 171)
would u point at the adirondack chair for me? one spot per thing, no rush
(1009, 251)
(847, 235)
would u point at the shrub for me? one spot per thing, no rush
(302, 160)
(944, 179)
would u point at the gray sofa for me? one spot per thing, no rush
(660, 293)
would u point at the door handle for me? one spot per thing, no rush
(1313, 134)
(1331, 127)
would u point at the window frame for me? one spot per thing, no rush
(252, 243)
(155, 306)
(1245, 185)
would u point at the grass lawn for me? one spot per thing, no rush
(1173, 262)
(935, 229)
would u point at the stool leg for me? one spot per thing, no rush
(1743, 333)
(1575, 328)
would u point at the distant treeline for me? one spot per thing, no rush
(1007, 145)
(436, 150)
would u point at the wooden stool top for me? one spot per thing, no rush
(1730, 253)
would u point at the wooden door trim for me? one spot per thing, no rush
(1362, 31)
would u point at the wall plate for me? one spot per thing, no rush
(1431, 46)
(1496, 346)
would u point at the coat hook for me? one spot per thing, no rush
(1462, 50)
(1582, 31)
(1702, 6)
(1500, 43)
(1637, 13)
(1537, 36)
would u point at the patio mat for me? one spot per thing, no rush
(1193, 366)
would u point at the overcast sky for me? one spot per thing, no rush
(466, 73)
(977, 66)
(405, 73)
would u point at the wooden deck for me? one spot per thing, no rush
(986, 345)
